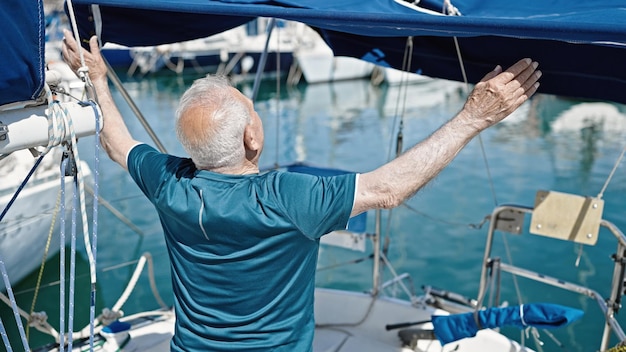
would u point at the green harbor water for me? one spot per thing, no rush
(550, 143)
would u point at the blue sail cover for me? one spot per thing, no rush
(580, 45)
(450, 328)
(21, 50)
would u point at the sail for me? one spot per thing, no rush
(22, 54)
(579, 45)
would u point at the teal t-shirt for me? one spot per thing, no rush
(243, 249)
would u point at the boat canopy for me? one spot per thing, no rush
(580, 45)
(22, 46)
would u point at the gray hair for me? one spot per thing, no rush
(220, 143)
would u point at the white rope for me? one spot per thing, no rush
(55, 137)
(56, 125)
(58, 116)
(39, 320)
(18, 320)
(131, 285)
(115, 311)
(82, 71)
(72, 285)
(145, 258)
(64, 163)
(5, 338)
(108, 316)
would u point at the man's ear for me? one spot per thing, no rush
(250, 139)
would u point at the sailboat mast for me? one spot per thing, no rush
(263, 60)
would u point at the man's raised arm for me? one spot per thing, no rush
(115, 138)
(496, 96)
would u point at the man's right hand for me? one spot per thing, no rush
(93, 58)
(115, 138)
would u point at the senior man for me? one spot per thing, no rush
(242, 245)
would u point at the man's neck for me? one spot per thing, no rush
(246, 169)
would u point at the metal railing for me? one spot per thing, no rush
(608, 306)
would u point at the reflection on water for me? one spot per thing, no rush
(353, 125)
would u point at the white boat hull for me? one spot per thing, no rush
(25, 228)
(324, 67)
(318, 64)
(394, 77)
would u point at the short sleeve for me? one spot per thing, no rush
(146, 166)
(317, 205)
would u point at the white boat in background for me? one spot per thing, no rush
(428, 92)
(301, 51)
(315, 62)
(394, 77)
(233, 52)
(600, 117)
